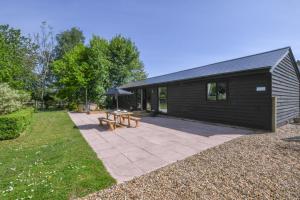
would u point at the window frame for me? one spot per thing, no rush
(217, 93)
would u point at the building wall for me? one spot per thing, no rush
(285, 86)
(244, 106)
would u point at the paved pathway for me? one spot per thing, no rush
(158, 141)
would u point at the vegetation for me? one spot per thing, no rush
(125, 63)
(45, 56)
(62, 70)
(50, 161)
(11, 100)
(86, 72)
(17, 59)
(13, 124)
(67, 40)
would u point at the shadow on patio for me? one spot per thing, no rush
(91, 126)
(195, 127)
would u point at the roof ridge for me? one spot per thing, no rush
(287, 47)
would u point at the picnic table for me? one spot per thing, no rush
(119, 116)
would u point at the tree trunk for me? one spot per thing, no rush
(86, 100)
(42, 97)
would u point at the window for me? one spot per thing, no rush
(162, 99)
(222, 87)
(216, 91)
(211, 91)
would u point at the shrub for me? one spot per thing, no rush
(73, 106)
(11, 100)
(11, 125)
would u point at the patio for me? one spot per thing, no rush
(157, 142)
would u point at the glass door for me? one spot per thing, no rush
(162, 99)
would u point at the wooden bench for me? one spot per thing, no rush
(136, 119)
(110, 123)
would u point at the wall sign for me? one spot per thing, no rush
(260, 88)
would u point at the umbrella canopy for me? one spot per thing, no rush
(117, 92)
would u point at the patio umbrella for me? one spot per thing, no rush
(117, 92)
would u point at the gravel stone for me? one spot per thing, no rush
(258, 166)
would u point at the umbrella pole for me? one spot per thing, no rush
(117, 102)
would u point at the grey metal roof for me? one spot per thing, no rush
(262, 60)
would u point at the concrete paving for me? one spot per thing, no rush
(158, 141)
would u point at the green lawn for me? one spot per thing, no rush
(50, 161)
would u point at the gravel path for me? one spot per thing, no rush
(262, 166)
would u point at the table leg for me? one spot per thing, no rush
(128, 118)
(121, 119)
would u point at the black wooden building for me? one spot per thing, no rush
(237, 91)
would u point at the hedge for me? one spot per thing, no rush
(11, 125)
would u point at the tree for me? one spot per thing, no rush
(298, 63)
(98, 52)
(74, 74)
(45, 56)
(125, 64)
(67, 40)
(17, 58)
(85, 72)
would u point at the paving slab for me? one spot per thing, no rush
(157, 142)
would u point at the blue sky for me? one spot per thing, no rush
(171, 35)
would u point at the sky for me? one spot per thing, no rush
(171, 35)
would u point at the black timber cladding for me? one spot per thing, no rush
(285, 86)
(244, 106)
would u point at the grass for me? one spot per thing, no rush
(50, 161)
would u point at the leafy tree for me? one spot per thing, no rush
(67, 40)
(298, 63)
(125, 64)
(11, 100)
(98, 51)
(17, 58)
(85, 72)
(74, 74)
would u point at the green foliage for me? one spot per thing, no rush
(11, 125)
(298, 63)
(11, 100)
(69, 72)
(125, 65)
(50, 161)
(98, 51)
(73, 73)
(67, 40)
(17, 58)
(93, 69)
